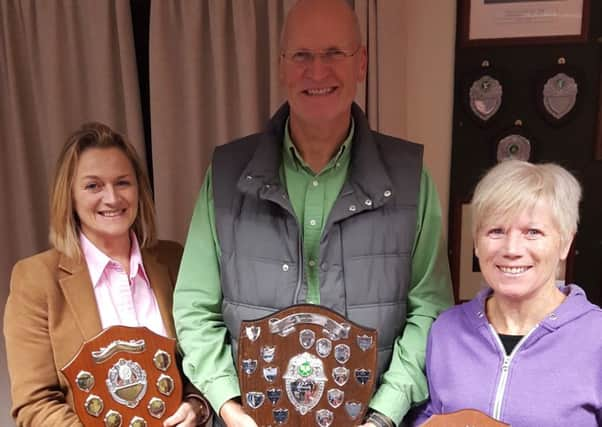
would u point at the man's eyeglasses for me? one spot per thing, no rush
(328, 56)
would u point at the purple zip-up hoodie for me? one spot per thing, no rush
(552, 378)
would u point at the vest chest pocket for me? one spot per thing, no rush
(259, 281)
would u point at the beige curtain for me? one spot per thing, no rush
(214, 77)
(62, 62)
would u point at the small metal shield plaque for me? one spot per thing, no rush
(322, 374)
(513, 147)
(559, 95)
(125, 377)
(485, 97)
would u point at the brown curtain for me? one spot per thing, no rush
(62, 62)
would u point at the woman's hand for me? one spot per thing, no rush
(234, 416)
(190, 412)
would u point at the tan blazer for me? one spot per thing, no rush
(50, 311)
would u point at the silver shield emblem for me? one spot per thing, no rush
(249, 366)
(280, 415)
(335, 397)
(304, 381)
(307, 337)
(364, 342)
(324, 418)
(94, 405)
(485, 97)
(323, 347)
(84, 380)
(340, 374)
(267, 353)
(342, 352)
(255, 399)
(560, 95)
(274, 395)
(113, 419)
(126, 381)
(513, 147)
(353, 409)
(270, 373)
(362, 376)
(253, 332)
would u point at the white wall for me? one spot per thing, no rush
(430, 69)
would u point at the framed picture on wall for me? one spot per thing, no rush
(507, 22)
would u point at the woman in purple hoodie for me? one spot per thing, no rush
(524, 351)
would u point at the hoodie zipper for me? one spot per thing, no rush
(505, 369)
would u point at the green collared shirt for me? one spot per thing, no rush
(202, 333)
(312, 196)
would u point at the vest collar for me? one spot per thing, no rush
(368, 178)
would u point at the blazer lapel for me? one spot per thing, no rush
(76, 285)
(162, 287)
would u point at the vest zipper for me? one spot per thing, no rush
(505, 369)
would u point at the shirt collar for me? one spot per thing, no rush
(97, 260)
(293, 158)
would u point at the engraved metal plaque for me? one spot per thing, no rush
(485, 97)
(559, 95)
(306, 365)
(125, 376)
(513, 147)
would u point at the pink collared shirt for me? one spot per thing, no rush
(122, 300)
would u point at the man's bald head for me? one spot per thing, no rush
(305, 12)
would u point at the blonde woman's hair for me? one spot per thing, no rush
(64, 222)
(513, 186)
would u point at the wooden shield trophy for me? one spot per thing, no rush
(306, 366)
(125, 376)
(463, 418)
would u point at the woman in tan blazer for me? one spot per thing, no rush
(101, 199)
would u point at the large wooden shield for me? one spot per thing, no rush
(464, 418)
(126, 377)
(306, 366)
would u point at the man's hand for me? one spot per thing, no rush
(234, 416)
(186, 416)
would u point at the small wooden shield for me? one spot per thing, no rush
(464, 418)
(125, 376)
(306, 365)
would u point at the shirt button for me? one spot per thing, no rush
(312, 222)
(352, 208)
(324, 266)
(312, 263)
(368, 202)
(285, 267)
(315, 183)
(249, 177)
(387, 193)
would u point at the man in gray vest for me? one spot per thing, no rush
(316, 209)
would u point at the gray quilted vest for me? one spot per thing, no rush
(365, 249)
